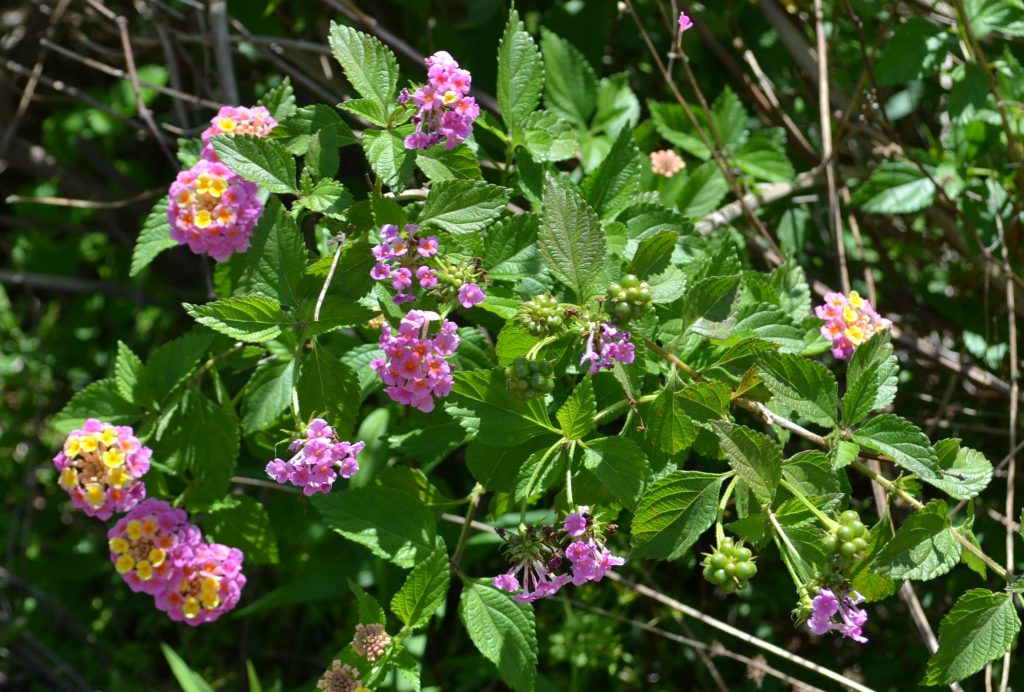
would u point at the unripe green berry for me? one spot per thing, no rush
(846, 533)
(848, 517)
(719, 576)
(726, 546)
(848, 549)
(719, 560)
(860, 544)
(741, 553)
(858, 528)
(746, 571)
(830, 544)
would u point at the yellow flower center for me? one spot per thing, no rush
(68, 478)
(203, 219)
(144, 570)
(124, 564)
(94, 494)
(113, 457)
(226, 125)
(118, 545)
(191, 607)
(134, 529)
(90, 443)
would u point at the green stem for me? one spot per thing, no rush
(606, 413)
(719, 530)
(535, 349)
(830, 523)
(800, 579)
(474, 500)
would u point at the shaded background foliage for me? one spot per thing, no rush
(72, 131)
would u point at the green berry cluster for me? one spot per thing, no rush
(542, 315)
(529, 379)
(849, 539)
(629, 299)
(730, 566)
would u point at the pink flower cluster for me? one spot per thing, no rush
(536, 559)
(826, 605)
(370, 641)
(213, 210)
(606, 345)
(101, 468)
(445, 110)
(158, 552)
(849, 322)
(400, 256)
(414, 366)
(319, 458)
(237, 120)
(340, 678)
(403, 255)
(685, 23)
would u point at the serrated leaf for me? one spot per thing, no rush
(653, 254)
(614, 184)
(541, 470)
(801, 385)
(154, 238)
(901, 441)
(497, 468)
(672, 124)
(254, 319)
(267, 394)
(923, 548)
(390, 160)
(439, 163)
(571, 239)
(871, 378)
(916, 48)
(369, 65)
(201, 443)
(620, 465)
(756, 458)
(702, 192)
(102, 400)
(322, 158)
(520, 73)
(393, 524)
(981, 627)
(966, 471)
(424, 589)
(763, 157)
(258, 159)
(578, 411)
(328, 197)
(276, 259)
(298, 130)
(673, 512)
(369, 609)
(482, 404)
(503, 631)
(548, 137)
(895, 188)
(510, 249)
(164, 370)
(127, 369)
(463, 206)
(279, 101)
(570, 84)
(327, 387)
(242, 522)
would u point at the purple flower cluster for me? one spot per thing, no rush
(827, 604)
(414, 366)
(237, 120)
(101, 468)
(445, 110)
(319, 458)
(606, 345)
(213, 210)
(536, 558)
(158, 552)
(401, 256)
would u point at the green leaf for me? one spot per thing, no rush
(101, 399)
(165, 369)
(673, 512)
(571, 240)
(424, 590)
(298, 130)
(520, 73)
(463, 206)
(923, 548)
(871, 378)
(967, 471)
(653, 254)
(548, 137)
(620, 465)
(369, 66)
(981, 627)
(267, 394)
(279, 101)
(614, 184)
(510, 250)
(276, 259)
(322, 158)
(242, 522)
(730, 119)
(497, 468)
(483, 406)
(916, 48)
(127, 369)
(328, 197)
(539, 473)
(188, 679)
(801, 385)
(763, 157)
(440, 164)
(390, 160)
(672, 124)
(258, 159)
(570, 84)
(503, 631)
(577, 414)
(895, 188)
(702, 192)
(756, 458)
(369, 609)
(617, 105)
(393, 524)
(680, 410)
(254, 319)
(201, 443)
(901, 441)
(154, 238)
(327, 387)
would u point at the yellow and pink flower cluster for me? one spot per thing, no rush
(849, 322)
